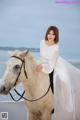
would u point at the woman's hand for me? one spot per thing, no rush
(39, 68)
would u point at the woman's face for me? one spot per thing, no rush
(51, 36)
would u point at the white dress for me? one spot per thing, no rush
(66, 82)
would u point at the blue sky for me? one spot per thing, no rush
(23, 23)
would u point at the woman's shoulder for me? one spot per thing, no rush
(56, 46)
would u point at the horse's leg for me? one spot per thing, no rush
(46, 116)
(34, 116)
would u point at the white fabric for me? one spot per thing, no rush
(66, 83)
(49, 56)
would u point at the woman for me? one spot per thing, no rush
(66, 77)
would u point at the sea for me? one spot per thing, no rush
(4, 56)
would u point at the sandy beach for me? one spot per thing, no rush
(16, 111)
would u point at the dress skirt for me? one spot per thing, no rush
(66, 91)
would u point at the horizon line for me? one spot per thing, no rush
(5, 48)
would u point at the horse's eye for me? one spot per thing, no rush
(16, 67)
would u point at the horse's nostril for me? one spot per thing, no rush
(3, 88)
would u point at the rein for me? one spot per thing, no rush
(25, 73)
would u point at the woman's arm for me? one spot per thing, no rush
(49, 64)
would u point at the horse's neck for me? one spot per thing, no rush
(37, 81)
(30, 65)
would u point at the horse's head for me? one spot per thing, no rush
(15, 71)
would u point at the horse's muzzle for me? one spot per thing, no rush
(4, 90)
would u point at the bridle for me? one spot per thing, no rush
(25, 73)
(22, 65)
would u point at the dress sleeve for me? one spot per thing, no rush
(49, 57)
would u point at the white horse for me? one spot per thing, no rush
(21, 67)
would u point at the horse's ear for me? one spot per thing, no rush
(23, 54)
(27, 53)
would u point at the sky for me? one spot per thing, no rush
(23, 23)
